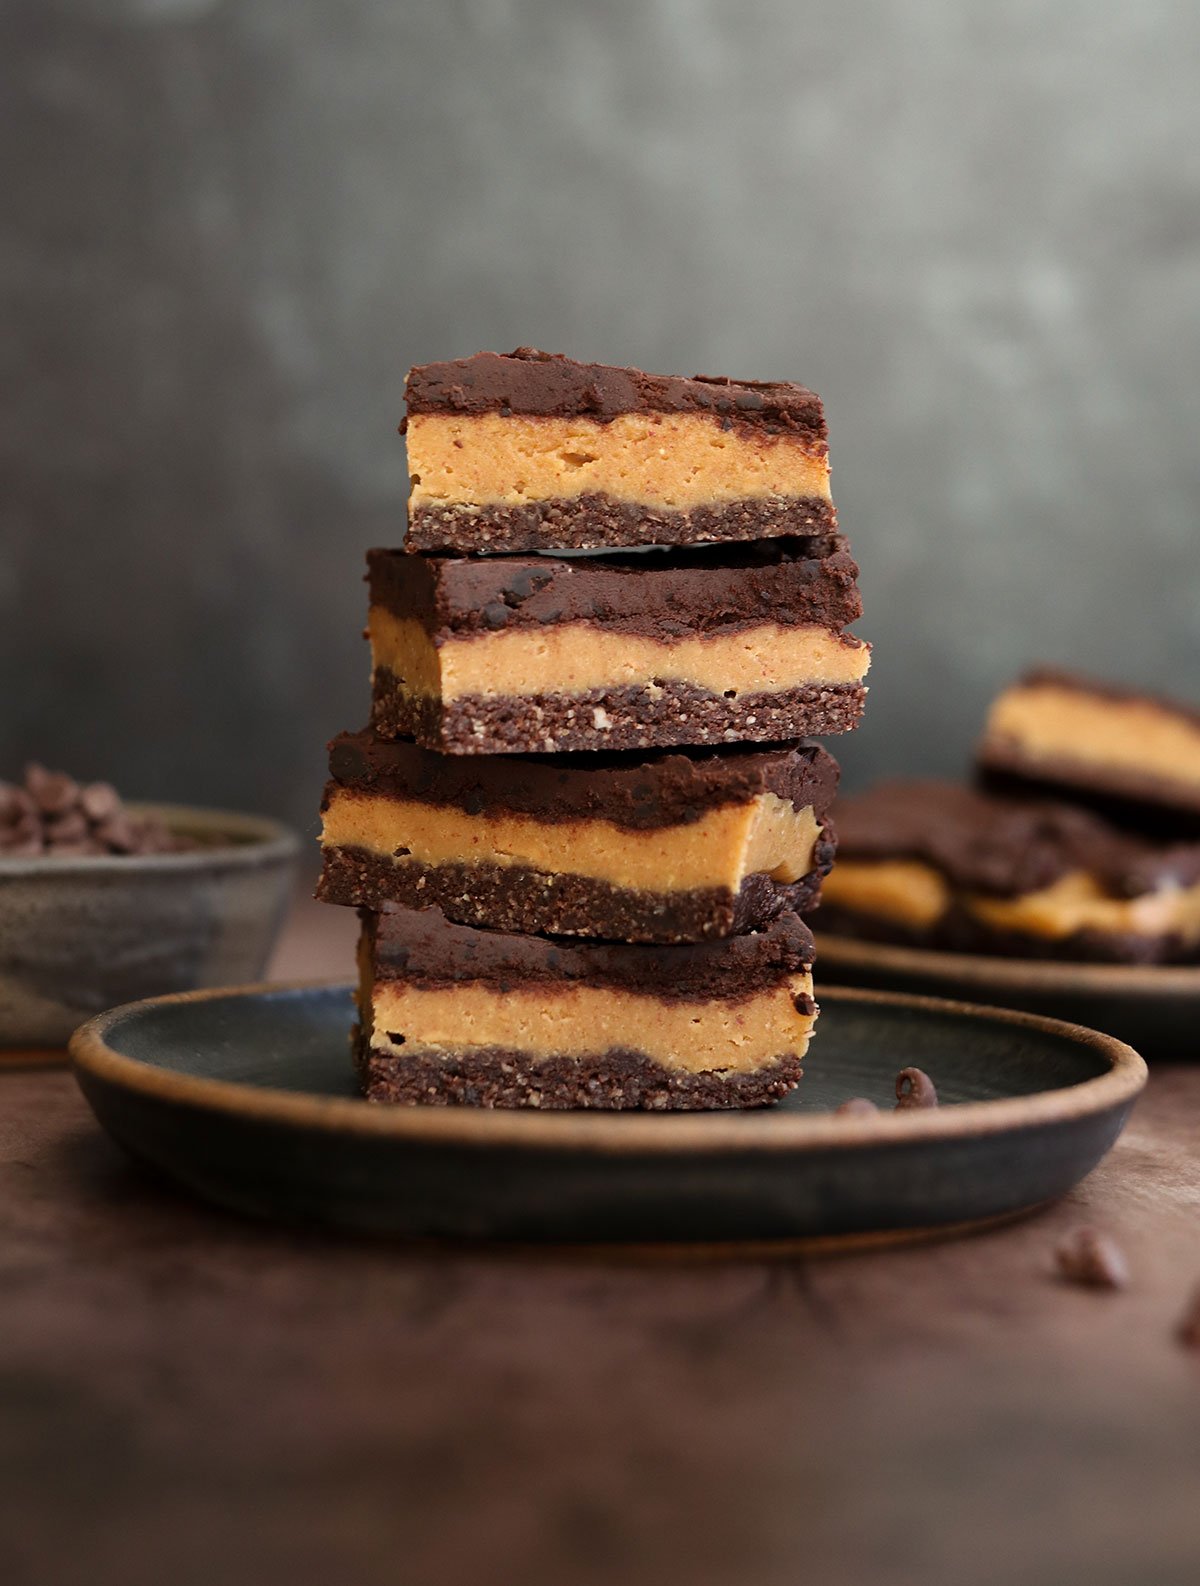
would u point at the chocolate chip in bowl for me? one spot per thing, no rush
(104, 902)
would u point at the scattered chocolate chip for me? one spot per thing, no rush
(16, 847)
(804, 1004)
(53, 814)
(495, 614)
(27, 829)
(69, 828)
(117, 834)
(1093, 1259)
(71, 850)
(99, 800)
(52, 791)
(856, 1107)
(914, 1088)
(1188, 1330)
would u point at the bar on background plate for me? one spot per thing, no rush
(533, 451)
(936, 864)
(450, 1015)
(662, 847)
(547, 654)
(1107, 745)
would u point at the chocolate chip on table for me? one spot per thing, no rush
(914, 1088)
(856, 1107)
(1092, 1258)
(1188, 1328)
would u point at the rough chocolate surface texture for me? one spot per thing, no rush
(632, 790)
(1005, 846)
(664, 594)
(421, 947)
(594, 520)
(549, 385)
(515, 898)
(618, 718)
(615, 1080)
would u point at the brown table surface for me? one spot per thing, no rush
(188, 1398)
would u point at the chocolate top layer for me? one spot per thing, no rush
(546, 385)
(420, 946)
(1004, 846)
(634, 790)
(1075, 683)
(665, 593)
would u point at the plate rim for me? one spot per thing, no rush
(983, 970)
(608, 1133)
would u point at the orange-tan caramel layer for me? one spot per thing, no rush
(688, 1037)
(668, 461)
(908, 893)
(1064, 724)
(763, 835)
(575, 658)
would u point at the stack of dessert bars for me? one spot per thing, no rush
(587, 815)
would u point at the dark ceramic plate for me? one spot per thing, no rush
(1156, 1008)
(247, 1097)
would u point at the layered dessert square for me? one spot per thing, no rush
(500, 655)
(451, 1015)
(532, 451)
(935, 864)
(1107, 745)
(644, 848)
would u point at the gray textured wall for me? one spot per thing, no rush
(228, 228)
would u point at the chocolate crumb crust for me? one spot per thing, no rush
(615, 1080)
(594, 520)
(666, 594)
(1149, 803)
(1005, 846)
(637, 791)
(422, 948)
(1162, 813)
(959, 932)
(548, 385)
(519, 898)
(614, 718)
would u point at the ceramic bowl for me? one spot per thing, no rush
(83, 934)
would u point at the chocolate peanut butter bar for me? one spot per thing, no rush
(936, 864)
(499, 655)
(1107, 745)
(532, 451)
(451, 1015)
(642, 848)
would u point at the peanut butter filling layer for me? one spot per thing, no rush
(688, 1037)
(672, 461)
(764, 834)
(901, 890)
(1061, 723)
(574, 658)
(909, 893)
